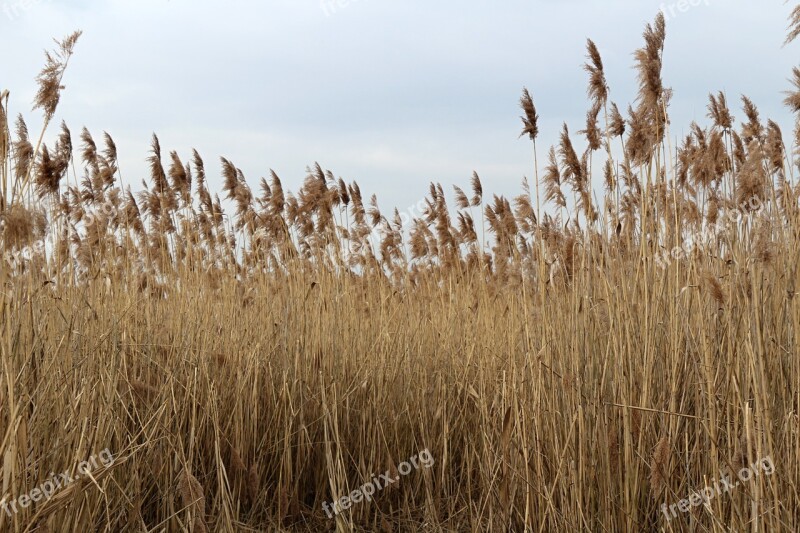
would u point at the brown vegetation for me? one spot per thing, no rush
(244, 367)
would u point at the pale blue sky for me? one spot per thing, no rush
(390, 94)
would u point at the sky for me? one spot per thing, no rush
(393, 95)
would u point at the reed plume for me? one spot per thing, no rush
(530, 120)
(331, 336)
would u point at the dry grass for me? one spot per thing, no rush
(566, 376)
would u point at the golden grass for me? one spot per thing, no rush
(565, 376)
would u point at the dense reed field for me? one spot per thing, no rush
(550, 362)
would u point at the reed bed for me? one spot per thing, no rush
(571, 364)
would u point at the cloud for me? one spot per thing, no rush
(392, 94)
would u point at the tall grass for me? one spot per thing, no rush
(566, 371)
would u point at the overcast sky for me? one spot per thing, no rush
(390, 94)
